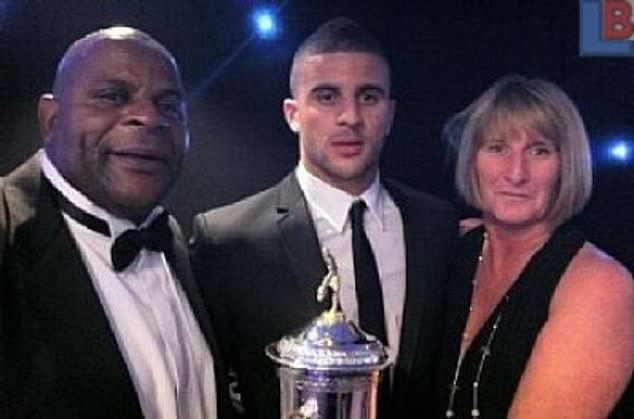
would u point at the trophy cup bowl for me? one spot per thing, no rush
(330, 369)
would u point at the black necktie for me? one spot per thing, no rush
(366, 275)
(369, 295)
(157, 237)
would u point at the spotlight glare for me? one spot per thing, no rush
(620, 151)
(265, 24)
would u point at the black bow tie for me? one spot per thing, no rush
(157, 236)
(82, 217)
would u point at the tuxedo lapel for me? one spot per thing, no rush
(66, 312)
(415, 241)
(300, 239)
(179, 260)
(178, 257)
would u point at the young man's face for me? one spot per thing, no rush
(342, 112)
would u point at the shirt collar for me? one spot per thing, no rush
(333, 204)
(117, 225)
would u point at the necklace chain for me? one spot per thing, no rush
(485, 353)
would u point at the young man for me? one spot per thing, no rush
(99, 313)
(259, 261)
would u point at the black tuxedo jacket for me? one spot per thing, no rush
(59, 357)
(259, 264)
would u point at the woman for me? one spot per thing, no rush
(541, 322)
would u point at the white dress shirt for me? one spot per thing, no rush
(383, 224)
(166, 354)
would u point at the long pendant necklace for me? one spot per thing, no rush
(485, 353)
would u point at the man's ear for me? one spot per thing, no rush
(290, 114)
(47, 109)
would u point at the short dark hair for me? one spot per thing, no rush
(339, 34)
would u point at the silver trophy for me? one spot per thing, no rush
(330, 369)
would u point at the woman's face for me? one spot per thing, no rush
(517, 171)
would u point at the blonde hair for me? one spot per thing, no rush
(535, 104)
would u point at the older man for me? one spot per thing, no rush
(99, 316)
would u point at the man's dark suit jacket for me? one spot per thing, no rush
(259, 264)
(59, 357)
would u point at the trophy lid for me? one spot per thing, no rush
(330, 342)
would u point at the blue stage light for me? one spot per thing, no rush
(614, 150)
(265, 23)
(621, 151)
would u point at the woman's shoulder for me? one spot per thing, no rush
(594, 277)
(589, 319)
(592, 262)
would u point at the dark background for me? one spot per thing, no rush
(444, 53)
